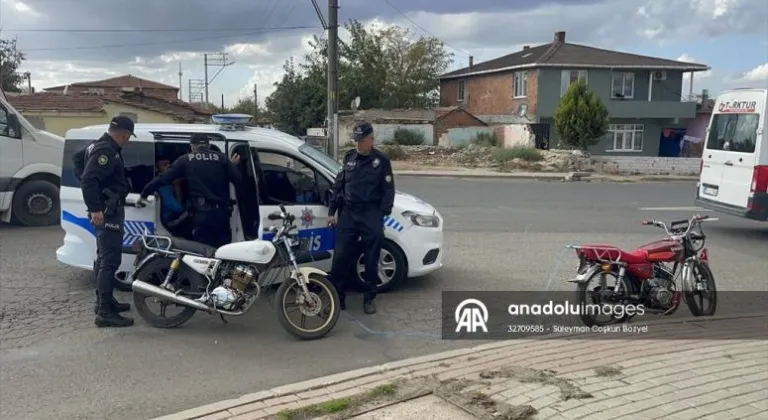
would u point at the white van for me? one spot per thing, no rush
(277, 168)
(734, 164)
(30, 170)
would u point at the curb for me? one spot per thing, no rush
(401, 367)
(545, 176)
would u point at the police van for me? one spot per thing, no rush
(277, 169)
(734, 164)
(29, 170)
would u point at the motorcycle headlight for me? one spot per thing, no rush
(423, 220)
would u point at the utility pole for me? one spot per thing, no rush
(181, 98)
(219, 60)
(333, 76)
(222, 103)
(255, 102)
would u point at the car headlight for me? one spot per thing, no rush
(424, 220)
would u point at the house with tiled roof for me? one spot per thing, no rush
(58, 112)
(642, 94)
(116, 85)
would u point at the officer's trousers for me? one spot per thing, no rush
(211, 226)
(109, 255)
(367, 225)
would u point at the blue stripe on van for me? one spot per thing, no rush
(133, 228)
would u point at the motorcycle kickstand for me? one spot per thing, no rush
(224, 320)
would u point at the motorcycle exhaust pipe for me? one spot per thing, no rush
(139, 286)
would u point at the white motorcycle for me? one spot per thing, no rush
(228, 280)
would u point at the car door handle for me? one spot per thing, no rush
(729, 163)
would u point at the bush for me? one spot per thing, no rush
(485, 140)
(405, 137)
(524, 153)
(394, 152)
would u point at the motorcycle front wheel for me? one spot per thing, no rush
(295, 311)
(703, 288)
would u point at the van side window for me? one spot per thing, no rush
(287, 180)
(139, 158)
(3, 122)
(733, 133)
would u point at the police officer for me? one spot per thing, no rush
(363, 194)
(104, 187)
(208, 174)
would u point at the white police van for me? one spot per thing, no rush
(734, 163)
(277, 168)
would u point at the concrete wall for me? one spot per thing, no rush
(639, 165)
(61, 122)
(516, 135)
(384, 132)
(461, 135)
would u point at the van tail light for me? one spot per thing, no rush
(759, 179)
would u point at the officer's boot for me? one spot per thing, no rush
(369, 307)
(107, 316)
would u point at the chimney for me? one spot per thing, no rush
(560, 37)
(471, 61)
(526, 47)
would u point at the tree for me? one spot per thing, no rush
(386, 67)
(244, 106)
(581, 119)
(10, 61)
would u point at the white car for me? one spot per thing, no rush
(277, 168)
(734, 163)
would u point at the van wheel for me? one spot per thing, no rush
(393, 267)
(36, 203)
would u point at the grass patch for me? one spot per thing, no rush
(406, 137)
(485, 140)
(526, 154)
(339, 405)
(394, 151)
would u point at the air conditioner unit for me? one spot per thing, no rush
(659, 75)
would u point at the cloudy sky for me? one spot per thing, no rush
(81, 40)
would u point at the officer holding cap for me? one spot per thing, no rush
(101, 171)
(363, 193)
(208, 174)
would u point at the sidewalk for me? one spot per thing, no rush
(459, 172)
(708, 369)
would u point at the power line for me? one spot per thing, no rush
(142, 30)
(178, 41)
(426, 31)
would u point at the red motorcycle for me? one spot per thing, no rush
(644, 279)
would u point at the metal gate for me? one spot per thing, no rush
(541, 135)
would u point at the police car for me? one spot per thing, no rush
(277, 168)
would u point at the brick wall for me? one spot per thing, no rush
(491, 94)
(631, 165)
(455, 119)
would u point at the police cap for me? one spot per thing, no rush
(361, 131)
(122, 122)
(198, 139)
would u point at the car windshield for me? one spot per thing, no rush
(324, 160)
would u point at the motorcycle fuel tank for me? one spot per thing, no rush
(254, 252)
(662, 250)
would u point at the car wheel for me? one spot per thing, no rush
(36, 203)
(393, 267)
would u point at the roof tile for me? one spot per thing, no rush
(119, 82)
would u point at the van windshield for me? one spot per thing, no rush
(321, 158)
(733, 132)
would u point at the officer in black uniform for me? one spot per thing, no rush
(104, 185)
(363, 194)
(208, 174)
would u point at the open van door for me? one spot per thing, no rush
(734, 175)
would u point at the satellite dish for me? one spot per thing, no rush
(522, 110)
(356, 103)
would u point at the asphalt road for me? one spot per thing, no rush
(500, 235)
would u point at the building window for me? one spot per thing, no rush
(623, 85)
(460, 95)
(131, 115)
(520, 84)
(626, 137)
(569, 77)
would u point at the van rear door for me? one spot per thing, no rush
(730, 154)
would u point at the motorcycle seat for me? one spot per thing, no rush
(607, 252)
(193, 247)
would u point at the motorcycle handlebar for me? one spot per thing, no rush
(694, 220)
